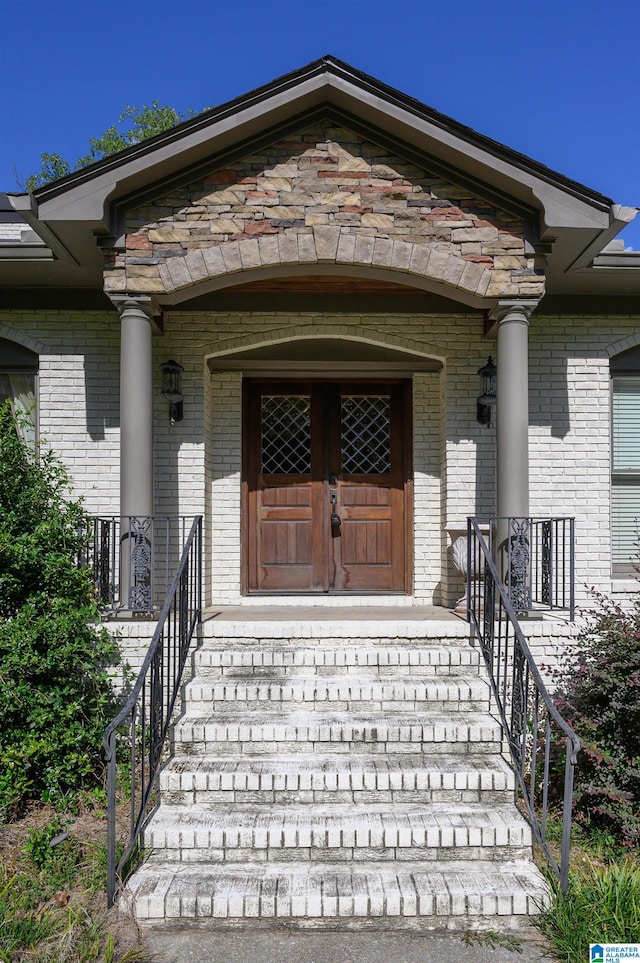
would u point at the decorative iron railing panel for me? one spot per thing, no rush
(140, 728)
(133, 558)
(540, 741)
(536, 559)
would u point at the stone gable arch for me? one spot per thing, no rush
(324, 198)
(324, 251)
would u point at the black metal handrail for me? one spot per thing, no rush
(143, 722)
(532, 726)
(133, 558)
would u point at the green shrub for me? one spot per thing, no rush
(55, 692)
(599, 695)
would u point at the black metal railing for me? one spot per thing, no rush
(133, 558)
(542, 745)
(141, 726)
(537, 561)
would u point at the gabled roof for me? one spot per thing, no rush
(574, 221)
(339, 84)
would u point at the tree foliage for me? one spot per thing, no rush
(55, 691)
(600, 697)
(135, 124)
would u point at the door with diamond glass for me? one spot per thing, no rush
(326, 486)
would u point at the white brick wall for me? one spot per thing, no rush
(225, 445)
(569, 436)
(428, 536)
(198, 462)
(78, 395)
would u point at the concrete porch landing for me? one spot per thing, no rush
(322, 613)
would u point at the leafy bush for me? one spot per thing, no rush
(600, 696)
(55, 692)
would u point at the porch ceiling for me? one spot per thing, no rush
(322, 284)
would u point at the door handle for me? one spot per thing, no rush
(336, 521)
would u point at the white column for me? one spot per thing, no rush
(136, 407)
(512, 408)
(136, 453)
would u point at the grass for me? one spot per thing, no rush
(602, 902)
(52, 890)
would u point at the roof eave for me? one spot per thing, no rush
(84, 194)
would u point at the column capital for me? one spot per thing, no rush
(515, 306)
(140, 302)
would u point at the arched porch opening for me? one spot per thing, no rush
(319, 439)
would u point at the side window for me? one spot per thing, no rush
(625, 460)
(18, 376)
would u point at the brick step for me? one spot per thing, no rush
(372, 694)
(298, 633)
(279, 661)
(455, 896)
(410, 832)
(270, 730)
(330, 779)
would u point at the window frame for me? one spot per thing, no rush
(15, 358)
(625, 365)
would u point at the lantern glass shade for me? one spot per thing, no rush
(487, 383)
(171, 381)
(486, 400)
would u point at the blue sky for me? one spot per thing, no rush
(555, 79)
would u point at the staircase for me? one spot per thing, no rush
(337, 773)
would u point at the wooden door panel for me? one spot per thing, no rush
(290, 496)
(368, 495)
(286, 543)
(366, 543)
(284, 537)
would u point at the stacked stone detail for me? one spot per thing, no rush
(323, 196)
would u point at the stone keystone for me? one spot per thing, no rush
(307, 248)
(346, 248)
(401, 257)
(326, 239)
(363, 253)
(288, 245)
(382, 251)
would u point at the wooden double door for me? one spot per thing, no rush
(326, 491)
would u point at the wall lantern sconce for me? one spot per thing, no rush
(487, 398)
(171, 389)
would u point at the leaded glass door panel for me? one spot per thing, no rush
(325, 478)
